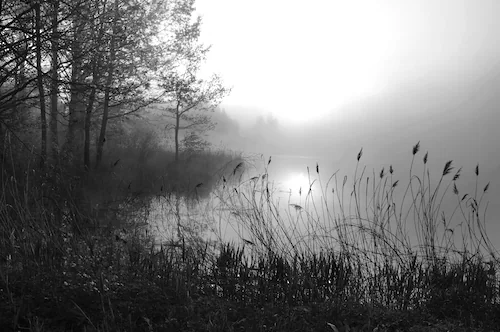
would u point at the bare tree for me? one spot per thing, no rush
(54, 87)
(192, 101)
(102, 56)
(75, 136)
(41, 89)
(16, 53)
(109, 80)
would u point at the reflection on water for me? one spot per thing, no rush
(297, 183)
(290, 205)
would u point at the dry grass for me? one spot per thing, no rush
(354, 244)
(333, 263)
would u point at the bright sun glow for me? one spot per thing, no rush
(294, 60)
(297, 181)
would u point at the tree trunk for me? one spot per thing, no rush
(76, 134)
(41, 91)
(88, 115)
(96, 63)
(21, 82)
(54, 141)
(109, 81)
(177, 127)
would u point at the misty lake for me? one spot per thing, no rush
(312, 198)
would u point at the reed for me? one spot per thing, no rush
(353, 244)
(341, 259)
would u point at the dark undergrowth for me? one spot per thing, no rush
(68, 263)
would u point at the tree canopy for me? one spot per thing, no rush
(103, 59)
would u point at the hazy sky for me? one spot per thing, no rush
(377, 74)
(302, 60)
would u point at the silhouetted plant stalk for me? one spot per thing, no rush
(370, 229)
(347, 246)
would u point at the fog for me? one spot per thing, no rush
(302, 63)
(315, 84)
(453, 118)
(264, 156)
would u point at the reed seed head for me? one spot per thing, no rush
(457, 175)
(416, 148)
(447, 168)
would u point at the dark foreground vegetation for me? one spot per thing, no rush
(85, 90)
(76, 256)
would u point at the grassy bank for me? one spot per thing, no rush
(343, 262)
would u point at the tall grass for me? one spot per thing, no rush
(74, 247)
(354, 242)
(343, 258)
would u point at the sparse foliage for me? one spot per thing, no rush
(191, 101)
